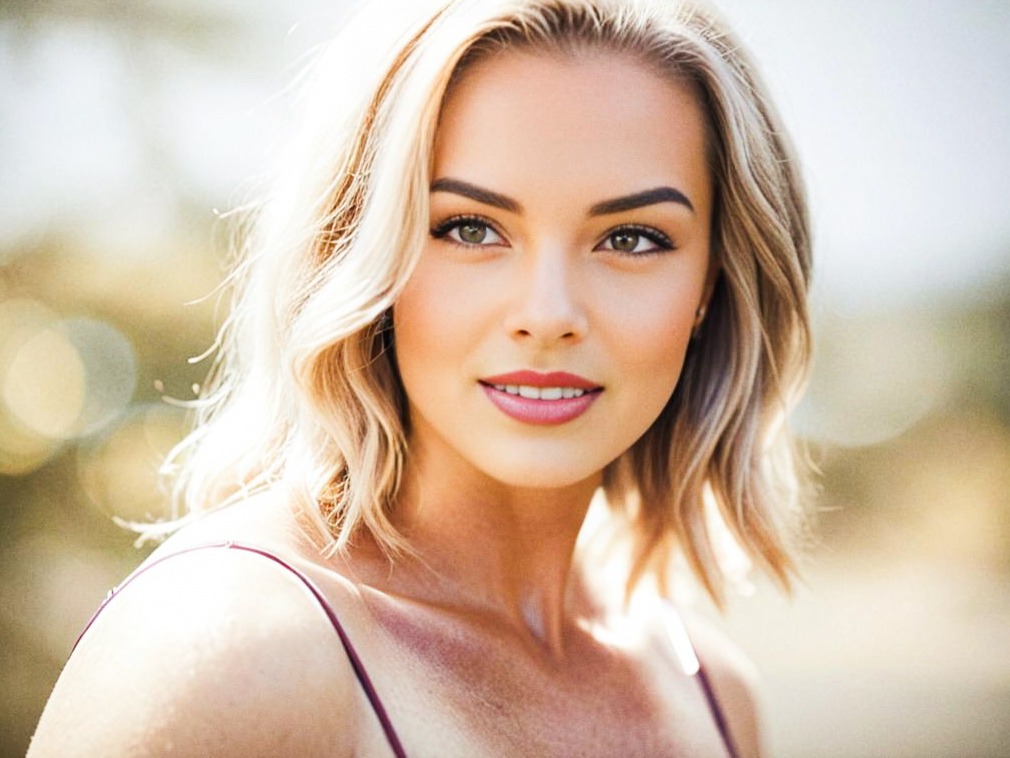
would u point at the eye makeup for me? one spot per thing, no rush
(470, 230)
(633, 234)
(467, 230)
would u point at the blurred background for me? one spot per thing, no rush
(126, 128)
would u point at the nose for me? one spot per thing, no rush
(546, 303)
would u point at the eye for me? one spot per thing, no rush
(471, 231)
(636, 240)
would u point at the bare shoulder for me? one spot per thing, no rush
(214, 652)
(734, 678)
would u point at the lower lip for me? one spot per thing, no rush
(532, 411)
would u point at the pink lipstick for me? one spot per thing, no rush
(535, 398)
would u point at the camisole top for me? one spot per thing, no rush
(359, 669)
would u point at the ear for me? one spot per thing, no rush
(711, 278)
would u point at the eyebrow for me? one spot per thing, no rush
(616, 205)
(640, 200)
(474, 192)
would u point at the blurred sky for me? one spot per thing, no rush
(899, 110)
(901, 113)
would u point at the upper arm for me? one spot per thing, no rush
(734, 679)
(213, 653)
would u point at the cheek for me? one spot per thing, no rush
(652, 332)
(655, 358)
(435, 319)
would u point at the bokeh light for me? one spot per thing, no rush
(43, 385)
(22, 448)
(59, 380)
(873, 379)
(110, 372)
(119, 470)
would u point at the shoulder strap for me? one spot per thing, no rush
(717, 713)
(352, 655)
(679, 642)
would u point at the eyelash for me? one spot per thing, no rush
(441, 231)
(656, 237)
(663, 243)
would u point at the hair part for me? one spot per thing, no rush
(305, 393)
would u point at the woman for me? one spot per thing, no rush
(521, 253)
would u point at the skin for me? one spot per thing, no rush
(491, 641)
(544, 292)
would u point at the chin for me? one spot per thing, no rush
(541, 471)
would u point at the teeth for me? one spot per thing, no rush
(540, 393)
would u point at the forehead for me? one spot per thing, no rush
(597, 121)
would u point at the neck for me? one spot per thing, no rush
(491, 549)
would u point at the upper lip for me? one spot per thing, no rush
(536, 379)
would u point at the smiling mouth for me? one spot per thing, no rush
(541, 393)
(542, 405)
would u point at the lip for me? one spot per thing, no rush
(536, 379)
(541, 412)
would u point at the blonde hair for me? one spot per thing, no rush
(304, 392)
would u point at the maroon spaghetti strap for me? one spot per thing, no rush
(717, 714)
(352, 655)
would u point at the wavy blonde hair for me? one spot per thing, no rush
(304, 392)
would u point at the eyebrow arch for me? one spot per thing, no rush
(616, 205)
(479, 194)
(640, 200)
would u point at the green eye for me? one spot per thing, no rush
(469, 231)
(635, 240)
(472, 233)
(625, 242)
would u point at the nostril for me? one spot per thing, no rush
(528, 333)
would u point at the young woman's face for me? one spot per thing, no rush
(570, 214)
